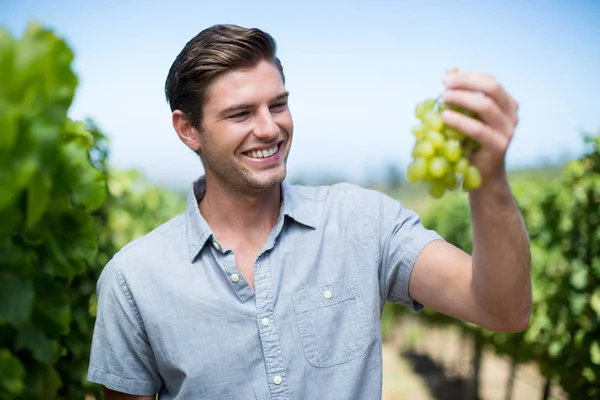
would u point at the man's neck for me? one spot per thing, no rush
(233, 216)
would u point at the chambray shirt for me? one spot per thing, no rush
(176, 317)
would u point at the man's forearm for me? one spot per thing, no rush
(501, 257)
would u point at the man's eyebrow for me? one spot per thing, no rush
(282, 96)
(245, 106)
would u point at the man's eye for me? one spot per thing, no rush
(279, 106)
(239, 115)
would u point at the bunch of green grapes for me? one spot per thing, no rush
(441, 155)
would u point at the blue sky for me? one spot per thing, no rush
(355, 71)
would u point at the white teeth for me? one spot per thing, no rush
(263, 153)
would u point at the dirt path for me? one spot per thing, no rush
(399, 381)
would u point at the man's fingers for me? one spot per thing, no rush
(486, 108)
(487, 85)
(476, 130)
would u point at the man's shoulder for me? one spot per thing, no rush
(162, 242)
(338, 192)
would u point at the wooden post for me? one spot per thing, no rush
(473, 386)
(511, 378)
(547, 387)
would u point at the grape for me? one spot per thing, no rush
(472, 180)
(436, 188)
(450, 179)
(438, 167)
(452, 150)
(441, 154)
(433, 119)
(462, 166)
(417, 170)
(435, 138)
(423, 107)
(419, 131)
(452, 133)
(423, 149)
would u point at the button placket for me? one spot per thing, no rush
(273, 356)
(227, 264)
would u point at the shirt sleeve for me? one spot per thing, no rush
(402, 238)
(121, 357)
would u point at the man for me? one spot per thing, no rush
(266, 290)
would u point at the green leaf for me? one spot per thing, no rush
(8, 126)
(77, 130)
(52, 306)
(555, 348)
(77, 237)
(595, 352)
(595, 301)
(42, 382)
(58, 260)
(93, 305)
(579, 278)
(45, 133)
(12, 373)
(17, 299)
(578, 301)
(51, 382)
(38, 195)
(32, 338)
(579, 337)
(88, 185)
(7, 45)
(11, 217)
(14, 177)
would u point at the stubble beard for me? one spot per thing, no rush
(238, 178)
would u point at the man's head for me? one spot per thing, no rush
(227, 92)
(210, 54)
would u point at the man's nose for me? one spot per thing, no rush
(266, 127)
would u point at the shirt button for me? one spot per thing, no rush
(216, 245)
(265, 321)
(277, 380)
(327, 294)
(235, 278)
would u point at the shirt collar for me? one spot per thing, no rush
(198, 231)
(197, 228)
(295, 206)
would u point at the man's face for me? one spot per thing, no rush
(247, 129)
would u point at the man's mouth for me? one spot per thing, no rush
(262, 153)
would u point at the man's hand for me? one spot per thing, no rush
(493, 287)
(483, 95)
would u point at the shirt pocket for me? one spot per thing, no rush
(331, 321)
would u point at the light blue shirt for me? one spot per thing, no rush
(176, 317)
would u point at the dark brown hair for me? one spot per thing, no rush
(211, 53)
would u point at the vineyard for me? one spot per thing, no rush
(563, 337)
(64, 213)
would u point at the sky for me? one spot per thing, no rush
(355, 71)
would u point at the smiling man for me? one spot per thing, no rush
(267, 290)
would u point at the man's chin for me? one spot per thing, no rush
(264, 183)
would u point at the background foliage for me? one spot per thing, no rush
(64, 214)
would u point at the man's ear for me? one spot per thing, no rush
(185, 130)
